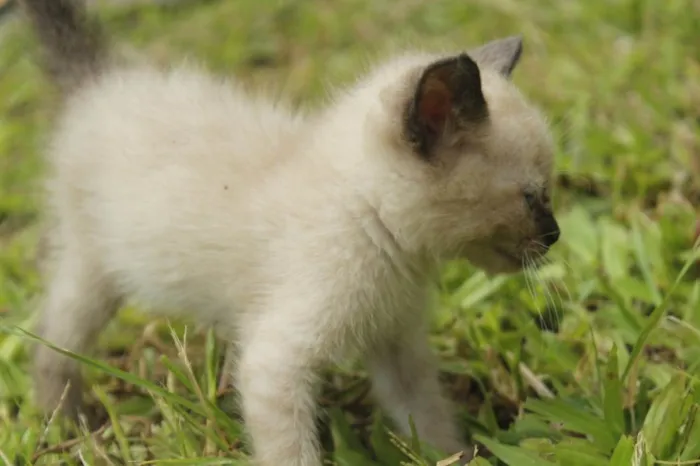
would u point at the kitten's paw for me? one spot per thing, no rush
(93, 417)
(57, 394)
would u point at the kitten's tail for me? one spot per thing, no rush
(75, 47)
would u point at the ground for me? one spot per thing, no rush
(593, 361)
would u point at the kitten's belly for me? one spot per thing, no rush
(182, 248)
(170, 280)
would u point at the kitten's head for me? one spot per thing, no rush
(463, 161)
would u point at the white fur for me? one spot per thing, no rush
(299, 238)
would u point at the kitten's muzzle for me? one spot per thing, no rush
(546, 227)
(547, 233)
(548, 230)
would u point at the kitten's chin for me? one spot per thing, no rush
(493, 260)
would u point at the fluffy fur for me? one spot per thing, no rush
(300, 238)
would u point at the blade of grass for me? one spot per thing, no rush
(658, 312)
(122, 441)
(612, 395)
(512, 456)
(575, 419)
(623, 453)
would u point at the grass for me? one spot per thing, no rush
(596, 361)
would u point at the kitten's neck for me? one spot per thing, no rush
(336, 141)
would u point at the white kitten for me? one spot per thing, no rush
(299, 238)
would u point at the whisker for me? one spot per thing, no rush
(545, 259)
(544, 285)
(563, 261)
(533, 279)
(548, 260)
(528, 282)
(541, 257)
(554, 307)
(558, 312)
(562, 302)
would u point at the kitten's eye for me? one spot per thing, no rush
(530, 199)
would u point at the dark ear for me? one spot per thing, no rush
(502, 54)
(448, 93)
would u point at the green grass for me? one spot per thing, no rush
(596, 362)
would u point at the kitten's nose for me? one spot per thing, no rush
(549, 230)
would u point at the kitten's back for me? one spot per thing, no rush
(143, 158)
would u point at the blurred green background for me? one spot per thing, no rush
(593, 361)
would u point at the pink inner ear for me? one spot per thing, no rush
(435, 106)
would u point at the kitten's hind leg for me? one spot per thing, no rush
(78, 304)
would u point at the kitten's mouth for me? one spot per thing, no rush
(511, 258)
(494, 258)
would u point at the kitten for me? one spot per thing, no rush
(300, 238)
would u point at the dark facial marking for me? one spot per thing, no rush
(548, 229)
(447, 96)
(547, 226)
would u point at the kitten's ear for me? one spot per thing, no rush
(502, 54)
(448, 93)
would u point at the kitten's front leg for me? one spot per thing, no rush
(276, 381)
(228, 368)
(405, 382)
